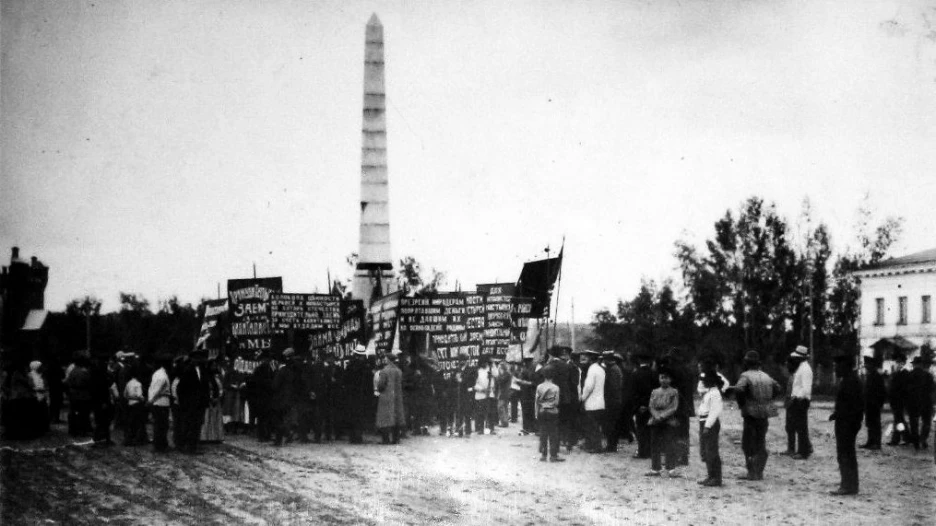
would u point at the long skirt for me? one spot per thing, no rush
(213, 428)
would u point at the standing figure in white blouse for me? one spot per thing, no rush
(709, 427)
(797, 411)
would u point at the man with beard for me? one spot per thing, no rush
(358, 383)
(644, 384)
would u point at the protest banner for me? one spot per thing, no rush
(249, 305)
(382, 318)
(304, 312)
(341, 341)
(498, 301)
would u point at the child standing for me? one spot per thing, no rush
(547, 416)
(664, 401)
(709, 425)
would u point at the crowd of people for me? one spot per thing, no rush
(589, 400)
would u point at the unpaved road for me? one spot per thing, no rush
(434, 480)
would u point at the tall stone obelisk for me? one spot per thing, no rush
(374, 268)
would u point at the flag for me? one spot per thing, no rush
(536, 281)
(214, 309)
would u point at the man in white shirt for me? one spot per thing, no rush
(593, 402)
(158, 399)
(797, 411)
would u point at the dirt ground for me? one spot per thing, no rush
(438, 480)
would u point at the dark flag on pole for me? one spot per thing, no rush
(536, 281)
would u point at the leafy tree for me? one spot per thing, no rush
(411, 277)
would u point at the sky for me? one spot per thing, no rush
(162, 148)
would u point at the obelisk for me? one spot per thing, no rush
(373, 276)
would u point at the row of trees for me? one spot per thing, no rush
(756, 284)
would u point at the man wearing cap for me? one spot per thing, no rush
(613, 394)
(358, 390)
(874, 396)
(755, 392)
(797, 411)
(644, 384)
(920, 402)
(565, 376)
(593, 402)
(848, 412)
(897, 395)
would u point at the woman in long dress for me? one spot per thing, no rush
(213, 428)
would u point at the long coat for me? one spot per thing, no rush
(390, 410)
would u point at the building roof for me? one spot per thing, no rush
(35, 319)
(926, 256)
(897, 342)
(924, 261)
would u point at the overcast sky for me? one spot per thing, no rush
(164, 147)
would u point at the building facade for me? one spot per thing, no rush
(897, 306)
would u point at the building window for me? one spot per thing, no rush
(879, 311)
(902, 310)
(926, 310)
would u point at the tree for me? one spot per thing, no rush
(411, 277)
(874, 242)
(745, 281)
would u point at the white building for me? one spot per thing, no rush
(897, 306)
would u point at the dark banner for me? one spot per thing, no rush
(342, 341)
(536, 281)
(498, 300)
(249, 304)
(382, 316)
(210, 336)
(304, 312)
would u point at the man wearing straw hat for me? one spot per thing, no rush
(797, 411)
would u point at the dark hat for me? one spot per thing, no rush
(871, 360)
(618, 357)
(917, 360)
(752, 357)
(712, 378)
(899, 357)
(591, 352)
(527, 358)
(608, 355)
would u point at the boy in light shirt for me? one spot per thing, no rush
(709, 426)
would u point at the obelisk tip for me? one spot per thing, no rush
(374, 21)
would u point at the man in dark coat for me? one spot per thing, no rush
(312, 383)
(566, 377)
(443, 383)
(358, 386)
(194, 397)
(848, 412)
(260, 396)
(613, 393)
(391, 415)
(920, 402)
(644, 384)
(528, 395)
(318, 372)
(289, 398)
(897, 395)
(874, 397)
